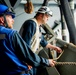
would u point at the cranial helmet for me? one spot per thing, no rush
(5, 10)
(46, 10)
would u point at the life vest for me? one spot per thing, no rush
(36, 38)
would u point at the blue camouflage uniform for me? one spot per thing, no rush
(14, 53)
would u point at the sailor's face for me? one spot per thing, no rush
(10, 21)
(45, 18)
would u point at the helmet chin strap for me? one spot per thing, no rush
(5, 21)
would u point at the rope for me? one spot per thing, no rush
(62, 63)
(65, 63)
(58, 56)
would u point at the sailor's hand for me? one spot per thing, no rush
(29, 67)
(59, 50)
(52, 62)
